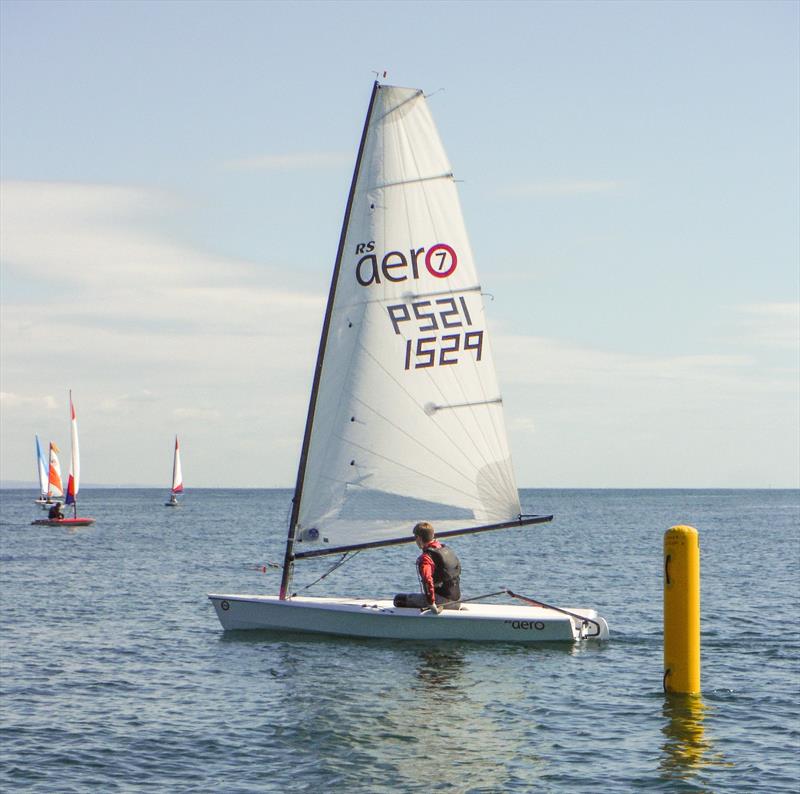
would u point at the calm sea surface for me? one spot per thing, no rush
(116, 675)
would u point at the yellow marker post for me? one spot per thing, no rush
(681, 610)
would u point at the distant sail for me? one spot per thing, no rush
(55, 487)
(41, 466)
(73, 483)
(177, 476)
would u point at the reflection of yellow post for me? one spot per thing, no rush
(681, 610)
(685, 746)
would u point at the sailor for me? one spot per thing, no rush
(55, 512)
(439, 573)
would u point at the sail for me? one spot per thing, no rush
(41, 468)
(177, 475)
(55, 487)
(407, 421)
(73, 483)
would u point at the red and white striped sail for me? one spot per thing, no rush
(54, 485)
(73, 483)
(177, 475)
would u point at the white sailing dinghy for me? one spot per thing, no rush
(44, 474)
(405, 420)
(177, 478)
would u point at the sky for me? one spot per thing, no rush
(174, 176)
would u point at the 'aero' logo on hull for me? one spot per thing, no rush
(440, 260)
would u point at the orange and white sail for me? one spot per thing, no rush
(54, 486)
(177, 475)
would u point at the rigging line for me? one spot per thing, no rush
(345, 558)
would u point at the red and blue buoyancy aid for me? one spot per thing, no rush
(445, 573)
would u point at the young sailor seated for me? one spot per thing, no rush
(439, 574)
(55, 513)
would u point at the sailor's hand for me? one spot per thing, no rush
(435, 608)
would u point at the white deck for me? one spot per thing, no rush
(365, 617)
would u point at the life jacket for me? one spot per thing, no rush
(447, 574)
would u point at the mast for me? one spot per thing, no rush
(312, 403)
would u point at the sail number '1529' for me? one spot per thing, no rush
(431, 348)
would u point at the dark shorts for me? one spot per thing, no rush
(420, 601)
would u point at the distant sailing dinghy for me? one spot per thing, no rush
(405, 420)
(177, 478)
(73, 482)
(43, 473)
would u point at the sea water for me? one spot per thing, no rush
(116, 675)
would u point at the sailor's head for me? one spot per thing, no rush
(423, 533)
(58, 504)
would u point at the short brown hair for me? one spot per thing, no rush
(424, 531)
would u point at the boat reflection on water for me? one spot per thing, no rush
(441, 669)
(686, 748)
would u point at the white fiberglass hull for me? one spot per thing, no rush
(363, 617)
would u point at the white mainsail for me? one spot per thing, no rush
(407, 421)
(177, 475)
(41, 468)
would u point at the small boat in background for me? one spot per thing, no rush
(42, 471)
(63, 522)
(73, 482)
(177, 478)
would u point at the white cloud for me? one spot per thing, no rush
(291, 162)
(775, 325)
(154, 336)
(9, 401)
(611, 419)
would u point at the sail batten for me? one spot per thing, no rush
(404, 330)
(448, 175)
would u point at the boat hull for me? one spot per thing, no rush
(63, 522)
(351, 617)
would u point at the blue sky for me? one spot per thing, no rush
(174, 177)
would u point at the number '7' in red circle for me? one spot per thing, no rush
(446, 260)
